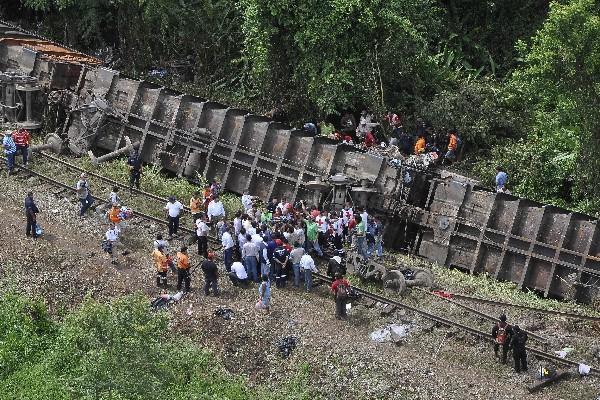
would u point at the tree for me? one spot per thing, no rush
(316, 57)
(559, 82)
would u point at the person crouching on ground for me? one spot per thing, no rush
(238, 275)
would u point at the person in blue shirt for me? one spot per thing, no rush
(501, 179)
(10, 149)
(30, 212)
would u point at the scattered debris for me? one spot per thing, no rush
(286, 345)
(225, 313)
(564, 352)
(559, 375)
(391, 333)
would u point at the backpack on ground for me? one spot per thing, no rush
(502, 334)
(341, 292)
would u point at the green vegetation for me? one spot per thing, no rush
(120, 350)
(518, 79)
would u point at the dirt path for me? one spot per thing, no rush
(67, 264)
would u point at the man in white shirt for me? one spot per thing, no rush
(247, 201)
(173, 211)
(250, 255)
(227, 242)
(112, 236)
(307, 265)
(202, 234)
(215, 212)
(238, 275)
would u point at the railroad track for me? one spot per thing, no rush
(366, 294)
(534, 309)
(448, 322)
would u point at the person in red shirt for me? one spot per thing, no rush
(369, 139)
(21, 137)
(340, 288)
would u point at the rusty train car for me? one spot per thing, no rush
(443, 217)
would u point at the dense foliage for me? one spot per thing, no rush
(111, 351)
(518, 78)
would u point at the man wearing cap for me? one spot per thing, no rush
(84, 195)
(173, 210)
(10, 149)
(227, 242)
(161, 264)
(21, 137)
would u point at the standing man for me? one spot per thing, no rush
(30, 212)
(202, 234)
(339, 288)
(501, 179)
(196, 206)
(215, 212)
(227, 242)
(10, 149)
(517, 344)
(307, 265)
(173, 211)
(502, 333)
(247, 201)
(161, 264)
(360, 236)
(281, 258)
(211, 274)
(83, 193)
(312, 236)
(21, 137)
(250, 255)
(183, 270)
(135, 169)
(295, 257)
(112, 237)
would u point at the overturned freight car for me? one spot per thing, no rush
(438, 215)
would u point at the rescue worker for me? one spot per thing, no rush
(211, 274)
(280, 258)
(196, 206)
(161, 264)
(183, 270)
(113, 214)
(339, 288)
(502, 333)
(420, 145)
(452, 146)
(30, 212)
(517, 345)
(22, 138)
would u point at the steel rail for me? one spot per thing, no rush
(477, 312)
(536, 309)
(433, 317)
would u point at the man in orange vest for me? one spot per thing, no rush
(452, 146)
(21, 138)
(161, 263)
(196, 206)
(113, 214)
(183, 270)
(420, 145)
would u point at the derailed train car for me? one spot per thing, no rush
(440, 216)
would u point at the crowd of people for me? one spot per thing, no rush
(273, 243)
(443, 144)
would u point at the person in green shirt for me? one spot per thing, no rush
(360, 236)
(327, 129)
(312, 236)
